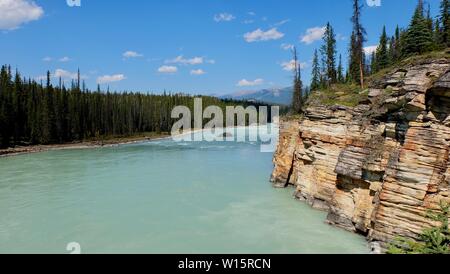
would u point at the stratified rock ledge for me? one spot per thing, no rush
(377, 168)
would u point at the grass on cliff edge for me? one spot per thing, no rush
(349, 95)
(415, 59)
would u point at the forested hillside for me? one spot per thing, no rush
(424, 34)
(34, 113)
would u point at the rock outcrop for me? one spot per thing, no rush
(377, 168)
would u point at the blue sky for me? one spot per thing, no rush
(201, 46)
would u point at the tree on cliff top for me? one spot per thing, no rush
(340, 71)
(297, 100)
(357, 56)
(434, 240)
(419, 37)
(382, 55)
(329, 52)
(445, 22)
(315, 79)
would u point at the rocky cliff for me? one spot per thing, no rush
(377, 168)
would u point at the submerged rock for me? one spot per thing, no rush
(226, 135)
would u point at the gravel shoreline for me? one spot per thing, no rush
(20, 150)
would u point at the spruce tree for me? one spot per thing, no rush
(445, 23)
(397, 45)
(391, 50)
(297, 100)
(382, 57)
(315, 77)
(340, 71)
(329, 51)
(419, 37)
(373, 63)
(357, 56)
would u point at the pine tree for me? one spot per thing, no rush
(357, 56)
(373, 63)
(324, 82)
(315, 79)
(445, 23)
(340, 71)
(329, 53)
(297, 100)
(382, 57)
(419, 37)
(78, 79)
(437, 35)
(391, 50)
(396, 49)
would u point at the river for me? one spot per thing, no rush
(158, 197)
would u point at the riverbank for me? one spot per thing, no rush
(87, 144)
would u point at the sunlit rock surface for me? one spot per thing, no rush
(380, 167)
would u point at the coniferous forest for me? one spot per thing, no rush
(423, 34)
(35, 113)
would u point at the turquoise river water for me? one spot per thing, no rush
(158, 197)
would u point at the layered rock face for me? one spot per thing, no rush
(380, 167)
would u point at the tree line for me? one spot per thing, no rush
(37, 113)
(424, 34)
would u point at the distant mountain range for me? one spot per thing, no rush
(281, 96)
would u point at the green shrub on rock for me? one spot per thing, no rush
(434, 240)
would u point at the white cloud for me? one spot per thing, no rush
(14, 13)
(47, 59)
(224, 17)
(131, 54)
(110, 78)
(287, 46)
(60, 73)
(64, 59)
(247, 83)
(312, 35)
(65, 74)
(251, 13)
(248, 21)
(290, 66)
(181, 60)
(168, 69)
(370, 49)
(260, 35)
(282, 22)
(197, 72)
